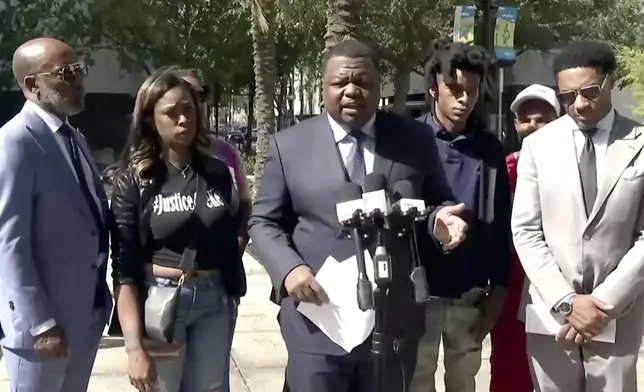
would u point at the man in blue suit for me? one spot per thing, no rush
(54, 300)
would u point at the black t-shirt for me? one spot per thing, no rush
(170, 221)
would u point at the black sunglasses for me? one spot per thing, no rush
(68, 72)
(590, 93)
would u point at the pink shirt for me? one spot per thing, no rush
(228, 154)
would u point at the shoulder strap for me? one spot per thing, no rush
(190, 251)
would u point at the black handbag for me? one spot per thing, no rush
(160, 303)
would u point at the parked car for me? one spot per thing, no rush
(237, 139)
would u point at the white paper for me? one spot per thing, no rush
(341, 319)
(539, 320)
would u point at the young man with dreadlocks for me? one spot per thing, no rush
(471, 280)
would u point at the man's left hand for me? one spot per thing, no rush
(449, 229)
(491, 308)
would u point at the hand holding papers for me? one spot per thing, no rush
(341, 319)
(539, 320)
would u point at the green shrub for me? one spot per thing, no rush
(249, 162)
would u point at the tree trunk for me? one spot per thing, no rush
(265, 76)
(251, 116)
(300, 90)
(401, 89)
(342, 20)
(217, 105)
(280, 101)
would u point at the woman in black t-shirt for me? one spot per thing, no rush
(153, 203)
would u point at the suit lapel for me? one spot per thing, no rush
(625, 143)
(56, 161)
(326, 156)
(96, 177)
(385, 142)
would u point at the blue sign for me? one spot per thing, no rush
(506, 21)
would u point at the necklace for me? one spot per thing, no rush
(183, 171)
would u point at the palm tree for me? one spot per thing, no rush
(262, 30)
(343, 20)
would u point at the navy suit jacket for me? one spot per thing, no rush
(294, 217)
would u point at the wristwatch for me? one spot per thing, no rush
(565, 308)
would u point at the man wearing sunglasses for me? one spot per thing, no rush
(54, 299)
(578, 228)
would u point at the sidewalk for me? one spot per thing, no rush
(258, 356)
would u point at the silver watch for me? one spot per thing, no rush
(565, 308)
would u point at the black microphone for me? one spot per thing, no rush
(409, 208)
(350, 214)
(377, 206)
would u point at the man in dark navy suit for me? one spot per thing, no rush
(294, 223)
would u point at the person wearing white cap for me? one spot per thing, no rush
(534, 107)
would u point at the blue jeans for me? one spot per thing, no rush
(203, 326)
(234, 305)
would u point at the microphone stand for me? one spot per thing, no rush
(382, 345)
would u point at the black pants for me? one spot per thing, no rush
(286, 388)
(350, 373)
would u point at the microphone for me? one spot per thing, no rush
(411, 210)
(376, 201)
(377, 207)
(405, 205)
(350, 214)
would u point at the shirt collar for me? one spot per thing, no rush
(605, 124)
(441, 133)
(52, 122)
(340, 131)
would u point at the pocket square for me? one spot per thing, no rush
(632, 172)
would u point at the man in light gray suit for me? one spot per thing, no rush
(54, 300)
(578, 227)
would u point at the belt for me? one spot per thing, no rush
(191, 274)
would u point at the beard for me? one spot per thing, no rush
(60, 104)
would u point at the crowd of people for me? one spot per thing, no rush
(543, 249)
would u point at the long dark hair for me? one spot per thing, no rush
(143, 151)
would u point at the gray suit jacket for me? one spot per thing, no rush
(561, 249)
(294, 219)
(49, 239)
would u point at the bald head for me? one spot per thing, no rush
(50, 75)
(39, 55)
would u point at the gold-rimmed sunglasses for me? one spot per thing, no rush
(590, 93)
(68, 72)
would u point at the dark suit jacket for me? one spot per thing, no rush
(294, 217)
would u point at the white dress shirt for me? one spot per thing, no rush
(600, 140)
(344, 142)
(54, 124)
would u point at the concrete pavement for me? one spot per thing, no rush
(258, 356)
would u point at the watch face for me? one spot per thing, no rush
(565, 308)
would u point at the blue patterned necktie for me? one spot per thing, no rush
(355, 161)
(75, 155)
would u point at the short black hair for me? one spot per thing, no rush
(586, 54)
(449, 56)
(352, 49)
